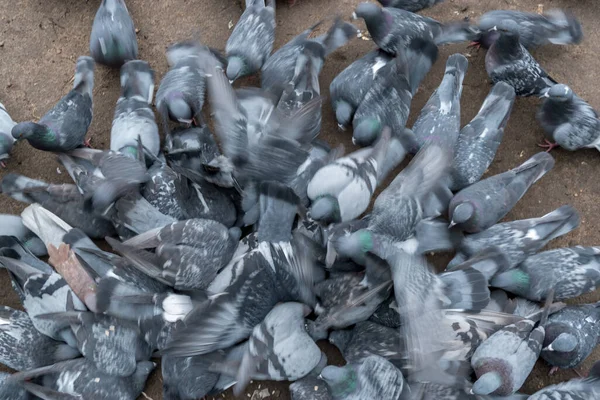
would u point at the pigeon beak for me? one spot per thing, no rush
(495, 28)
(354, 16)
(545, 95)
(231, 81)
(471, 391)
(451, 225)
(548, 348)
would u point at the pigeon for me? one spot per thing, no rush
(310, 388)
(6, 138)
(568, 120)
(507, 60)
(113, 40)
(387, 314)
(279, 69)
(481, 205)
(522, 238)
(10, 390)
(251, 41)
(373, 378)
(569, 272)
(388, 100)
(479, 140)
(64, 127)
(134, 117)
(585, 388)
(12, 225)
(23, 347)
(187, 378)
(188, 253)
(499, 302)
(342, 190)
(439, 120)
(82, 380)
(554, 27)
(410, 5)
(279, 348)
(571, 335)
(503, 362)
(191, 148)
(349, 87)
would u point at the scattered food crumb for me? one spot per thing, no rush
(522, 153)
(58, 171)
(137, 30)
(540, 9)
(230, 24)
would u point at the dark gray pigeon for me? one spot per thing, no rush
(556, 26)
(12, 225)
(478, 141)
(23, 347)
(571, 335)
(481, 205)
(569, 272)
(387, 102)
(80, 379)
(6, 138)
(519, 239)
(187, 378)
(439, 120)
(568, 120)
(113, 40)
(134, 117)
(310, 388)
(373, 378)
(585, 388)
(508, 61)
(64, 127)
(410, 5)
(387, 314)
(251, 41)
(503, 362)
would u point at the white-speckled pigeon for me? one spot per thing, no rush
(113, 40)
(6, 138)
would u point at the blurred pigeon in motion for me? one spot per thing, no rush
(387, 313)
(439, 120)
(310, 388)
(279, 69)
(113, 40)
(479, 140)
(251, 41)
(481, 205)
(554, 27)
(23, 347)
(342, 190)
(521, 238)
(571, 335)
(503, 362)
(134, 116)
(410, 5)
(12, 390)
(584, 388)
(507, 60)
(188, 253)
(82, 380)
(387, 102)
(568, 120)
(569, 272)
(373, 378)
(12, 225)
(191, 148)
(6, 138)
(187, 378)
(64, 127)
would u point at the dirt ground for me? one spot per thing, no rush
(41, 39)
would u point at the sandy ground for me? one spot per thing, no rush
(40, 41)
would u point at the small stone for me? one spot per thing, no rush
(2, 44)
(137, 30)
(230, 24)
(58, 51)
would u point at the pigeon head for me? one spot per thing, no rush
(377, 20)
(487, 383)
(355, 245)
(366, 132)
(508, 28)
(27, 130)
(325, 209)
(559, 92)
(488, 38)
(178, 108)
(462, 214)
(341, 380)
(178, 51)
(564, 343)
(343, 113)
(515, 281)
(236, 68)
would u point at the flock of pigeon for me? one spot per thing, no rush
(232, 259)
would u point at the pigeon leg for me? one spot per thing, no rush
(548, 145)
(553, 370)
(87, 143)
(2, 164)
(475, 44)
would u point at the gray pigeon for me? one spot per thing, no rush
(64, 127)
(481, 205)
(587, 388)
(310, 388)
(387, 102)
(11, 390)
(23, 347)
(187, 378)
(191, 148)
(410, 5)
(507, 60)
(12, 225)
(134, 117)
(373, 378)
(439, 120)
(6, 138)
(387, 314)
(568, 120)
(571, 335)
(554, 27)
(519, 239)
(251, 41)
(478, 141)
(113, 40)
(80, 379)
(503, 362)
(569, 272)
(349, 87)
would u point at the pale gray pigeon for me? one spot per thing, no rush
(113, 40)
